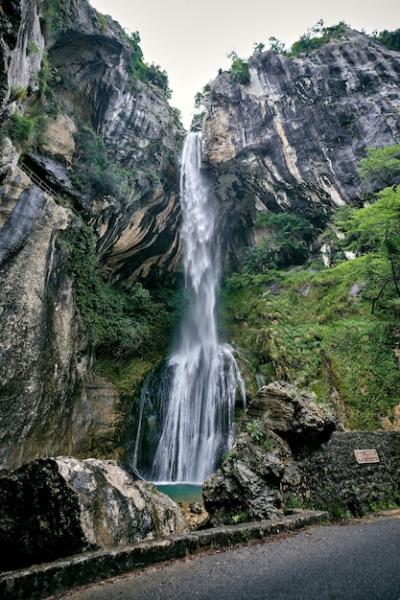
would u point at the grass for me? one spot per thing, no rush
(314, 327)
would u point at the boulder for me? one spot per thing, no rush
(61, 506)
(292, 414)
(281, 423)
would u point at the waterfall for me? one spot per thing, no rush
(198, 404)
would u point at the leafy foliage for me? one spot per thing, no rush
(139, 70)
(334, 331)
(94, 174)
(21, 130)
(367, 229)
(317, 36)
(121, 322)
(313, 39)
(18, 93)
(32, 48)
(276, 46)
(53, 16)
(381, 165)
(239, 69)
(390, 39)
(286, 241)
(259, 47)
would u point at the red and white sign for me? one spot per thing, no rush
(366, 457)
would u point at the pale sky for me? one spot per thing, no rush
(191, 39)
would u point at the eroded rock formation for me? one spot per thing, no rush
(61, 506)
(280, 424)
(288, 454)
(48, 403)
(291, 140)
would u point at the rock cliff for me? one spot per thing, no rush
(66, 71)
(292, 138)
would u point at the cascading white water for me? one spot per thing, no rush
(199, 411)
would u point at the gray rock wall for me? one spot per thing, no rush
(332, 478)
(50, 402)
(291, 140)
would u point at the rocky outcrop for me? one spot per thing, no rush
(281, 423)
(61, 506)
(288, 454)
(63, 68)
(292, 138)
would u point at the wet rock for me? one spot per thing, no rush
(61, 506)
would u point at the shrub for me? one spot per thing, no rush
(390, 39)
(276, 46)
(18, 93)
(381, 165)
(239, 69)
(32, 48)
(121, 322)
(103, 22)
(287, 243)
(21, 129)
(52, 13)
(256, 431)
(317, 36)
(94, 174)
(368, 229)
(141, 71)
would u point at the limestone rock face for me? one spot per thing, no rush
(291, 140)
(50, 402)
(280, 421)
(61, 506)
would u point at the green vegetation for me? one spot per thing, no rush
(18, 93)
(241, 517)
(141, 71)
(32, 48)
(285, 241)
(121, 322)
(317, 36)
(239, 69)
(313, 39)
(381, 165)
(258, 435)
(21, 130)
(103, 22)
(256, 431)
(53, 15)
(94, 173)
(390, 39)
(334, 331)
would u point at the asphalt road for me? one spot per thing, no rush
(356, 561)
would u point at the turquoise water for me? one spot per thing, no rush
(181, 492)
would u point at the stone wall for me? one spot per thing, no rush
(331, 476)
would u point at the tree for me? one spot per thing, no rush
(239, 69)
(276, 46)
(381, 165)
(258, 47)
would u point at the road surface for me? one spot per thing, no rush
(356, 561)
